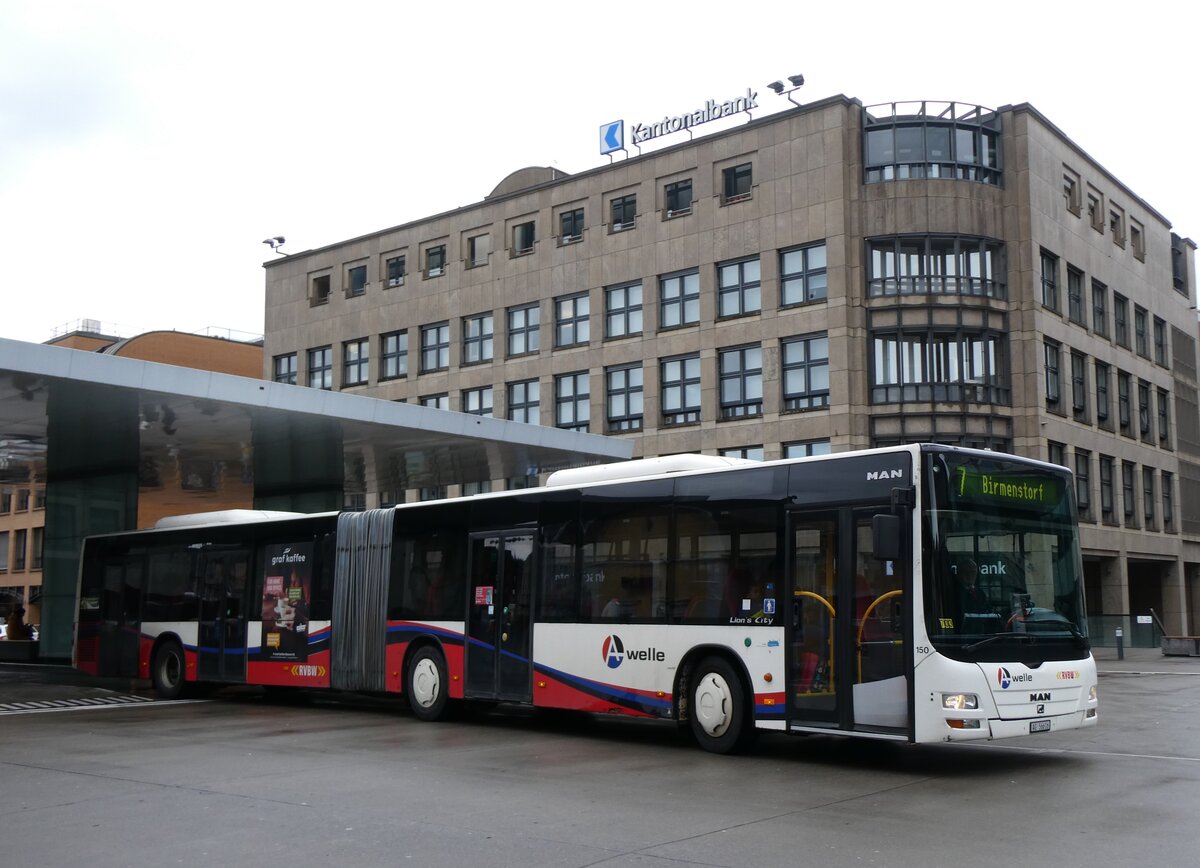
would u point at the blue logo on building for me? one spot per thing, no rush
(612, 137)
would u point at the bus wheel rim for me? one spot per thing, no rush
(426, 684)
(171, 669)
(713, 704)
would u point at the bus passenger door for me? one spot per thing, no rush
(224, 579)
(816, 630)
(880, 651)
(499, 634)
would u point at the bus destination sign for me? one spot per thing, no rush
(1006, 487)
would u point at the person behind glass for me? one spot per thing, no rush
(973, 600)
(17, 629)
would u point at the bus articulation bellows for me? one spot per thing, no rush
(918, 593)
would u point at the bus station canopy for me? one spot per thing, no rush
(283, 437)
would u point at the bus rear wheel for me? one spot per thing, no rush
(167, 670)
(719, 714)
(426, 684)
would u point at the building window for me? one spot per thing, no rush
(22, 500)
(939, 366)
(1079, 389)
(1102, 399)
(39, 498)
(3, 551)
(20, 546)
(1107, 508)
(680, 390)
(1123, 402)
(6, 500)
(738, 288)
(1141, 335)
(936, 265)
(39, 533)
(1049, 280)
(1137, 240)
(740, 371)
(802, 275)
(431, 492)
(523, 238)
(571, 226)
(1053, 375)
(1083, 482)
(395, 271)
(1116, 224)
(1071, 191)
(440, 401)
(435, 347)
(320, 290)
(1129, 493)
(523, 402)
(435, 261)
(931, 140)
(356, 280)
(806, 448)
(477, 402)
(477, 339)
(479, 248)
(482, 487)
(1121, 319)
(1164, 419)
(1095, 211)
(1168, 503)
(624, 212)
(571, 320)
(284, 369)
(572, 402)
(523, 337)
(1148, 499)
(750, 453)
(805, 372)
(1099, 308)
(737, 182)
(393, 355)
(1160, 342)
(623, 398)
(623, 310)
(679, 299)
(356, 362)
(1144, 410)
(678, 198)
(1056, 453)
(1075, 295)
(320, 368)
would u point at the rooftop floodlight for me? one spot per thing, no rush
(796, 80)
(776, 86)
(275, 243)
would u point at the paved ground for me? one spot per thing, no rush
(242, 781)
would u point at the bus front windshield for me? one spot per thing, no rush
(1003, 574)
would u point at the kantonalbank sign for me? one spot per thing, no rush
(612, 134)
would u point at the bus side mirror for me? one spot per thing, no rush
(885, 535)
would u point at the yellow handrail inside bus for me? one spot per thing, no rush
(832, 615)
(863, 625)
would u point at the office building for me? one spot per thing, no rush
(827, 278)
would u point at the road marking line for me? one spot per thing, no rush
(99, 705)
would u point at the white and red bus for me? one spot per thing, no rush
(919, 593)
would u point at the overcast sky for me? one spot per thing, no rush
(147, 149)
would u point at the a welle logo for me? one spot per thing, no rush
(1006, 679)
(613, 652)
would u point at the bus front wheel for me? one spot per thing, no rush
(426, 684)
(167, 670)
(718, 713)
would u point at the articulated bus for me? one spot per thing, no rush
(920, 593)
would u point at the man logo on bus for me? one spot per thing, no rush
(613, 651)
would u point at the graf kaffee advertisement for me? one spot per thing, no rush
(287, 588)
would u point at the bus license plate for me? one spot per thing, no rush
(1039, 726)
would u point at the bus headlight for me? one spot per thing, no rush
(1093, 695)
(960, 701)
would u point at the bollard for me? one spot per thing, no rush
(1120, 643)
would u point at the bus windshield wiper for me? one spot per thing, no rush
(1026, 637)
